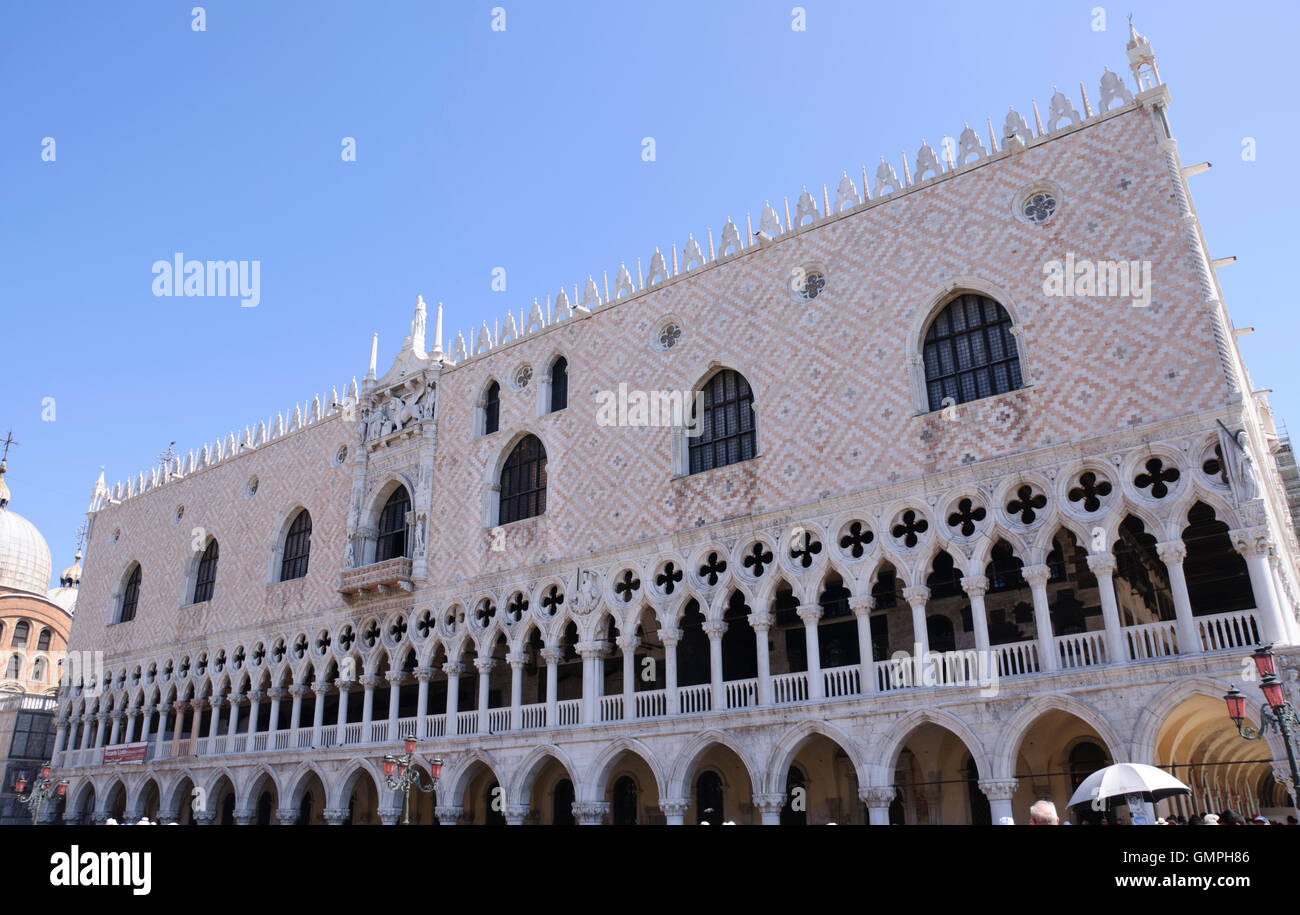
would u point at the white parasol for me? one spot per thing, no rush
(1128, 778)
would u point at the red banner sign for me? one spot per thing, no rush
(126, 753)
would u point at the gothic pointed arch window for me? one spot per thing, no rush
(206, 579)
(491, 408)
(970, 352)
(523, 481)
(130, 596)
(726, 426)
(393, 539)
(297, 547)
(559, 384)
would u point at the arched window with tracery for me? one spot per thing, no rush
(393, 538)
(297, 548)
(559, 384)
(130, 596)
(727, 431)
(206, 579)
(523, 481)
(492, 409)
(970, 352)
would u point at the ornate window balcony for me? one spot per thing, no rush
(381, 577)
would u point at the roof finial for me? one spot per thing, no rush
(4, 466)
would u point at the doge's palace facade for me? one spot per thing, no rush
(944, 539)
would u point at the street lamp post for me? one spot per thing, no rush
(42, 789)
(401, 775)
(1276, 712)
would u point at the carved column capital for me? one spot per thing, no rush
(276, 692)
(975, 585)
(591, 813)
(627, 643)
(877, 795)
(714, 629)
(769, 803)
(552, 655)
(368, 681)
(1172, 552)
(297, 690)
(336, 816)
(320, 688)
(670, 636)
(395, 677)
(861, 605)
(916, 595)
(255, 695)
(760, 622)
(1252, 541)
(1036, 575)
(449, 815)
(998, 789)
(286, 816)
(810, 613)
(424, 674)
(1102, 564)
(674, 807)
(484, 665)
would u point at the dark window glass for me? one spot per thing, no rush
(21, 630)
(559, 384)
(43, 643)
(297, 548)
(33, 736)
(131, 596)
(727, 426)
(207, 577)
(392, 526)
(970, 352)
(492, 409)
(523, 481)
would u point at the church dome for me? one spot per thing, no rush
(24, 556)
(65, 595)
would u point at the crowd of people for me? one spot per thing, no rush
(1043, 813)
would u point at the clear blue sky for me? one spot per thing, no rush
(521, 149)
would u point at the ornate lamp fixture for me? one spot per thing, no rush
(1275, 713)
(42, 789)
(401, 775)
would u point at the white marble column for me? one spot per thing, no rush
(516, 660)
(368, 682)
(877, 798)
(318, 712)
(917, 596)
(999, 792)
(976, 586)
(116, 729)
(627, 646)
(714, 629)
(670, 638)
(861, 607)
(1173, 553)
(452, 670)
(146, 723)
(590, 713)
(769, 808)
(277, 694)
(296, 690)
(1103, 566)
(131, 715)
(254, 713)
(810, 614)
(1255, 545)
(423, 676)
(343, 686)
(484, 666)
(674, 810)
(394, 678)
(761, 622)
(1037, 576)
(552, 658)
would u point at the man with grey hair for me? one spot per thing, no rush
(1043, 813)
